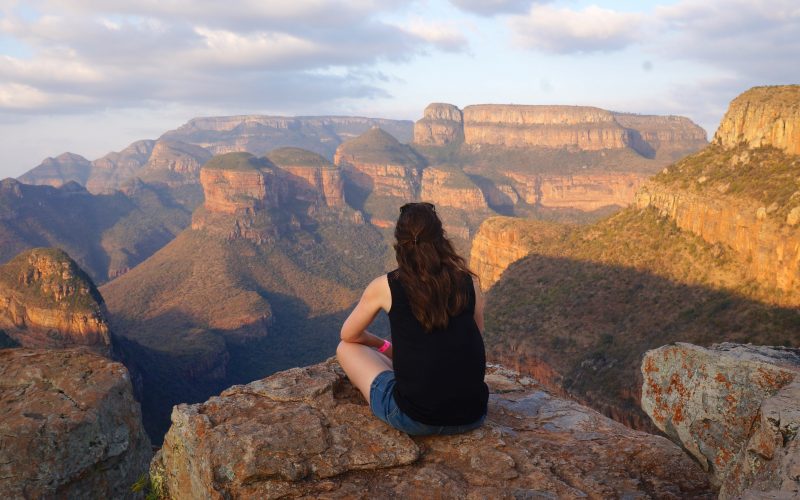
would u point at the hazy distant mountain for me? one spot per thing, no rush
(105, 234)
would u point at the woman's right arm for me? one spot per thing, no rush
(479, 303)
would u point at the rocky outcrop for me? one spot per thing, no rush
(311, 177)
(377, 163)
(441, 124)
(307, 432)
(503, 240)
(69, 426)
(450, 187)
(175, 163)
(735, 408)
(650, 134)
(46, 300)
(763, 116)
(259, 134)
(60, 170)
(112, 170)
(239, 183)
(768, 249)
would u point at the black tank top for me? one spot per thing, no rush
(439, 375)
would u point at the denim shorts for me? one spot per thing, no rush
(382, 404)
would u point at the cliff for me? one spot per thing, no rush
(307, 432)
(174, 163)
(70, 427)
(578, 127)
(735, 408)
(46, 300)
(448, 186)
(763, 116)
(503, 240)
(312, 177)
(376, 162)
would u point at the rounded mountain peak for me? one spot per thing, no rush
(377, 146)
(238, 162)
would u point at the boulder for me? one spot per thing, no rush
(735, 408)
(69, 426)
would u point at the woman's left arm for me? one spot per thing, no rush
(377, 296)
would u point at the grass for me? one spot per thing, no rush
(376, 146)
(298, 157)
(239, 162)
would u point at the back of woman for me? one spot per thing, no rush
(429, 380)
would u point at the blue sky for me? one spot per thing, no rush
(91, 76)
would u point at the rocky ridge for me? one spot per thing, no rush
(47, 301)
(735, 408)
(763, 116)
(69, 426)
(308, 432)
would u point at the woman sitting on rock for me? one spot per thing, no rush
(430, 379)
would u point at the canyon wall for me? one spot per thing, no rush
(308, 432)
(441, 124)
(503, 240)
(763, 116)
(70, 427)
(451, 188)
(585, 192)
(312, 177)
(47, 301)
(768, 249)
(735, 408)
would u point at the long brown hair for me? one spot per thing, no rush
(430, 270)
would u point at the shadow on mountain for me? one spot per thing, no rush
(184, 362)
(583, 327)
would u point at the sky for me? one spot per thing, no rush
(92, 76)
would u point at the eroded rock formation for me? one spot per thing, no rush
(69, 426)
(311, 177)
(110, 171)
(175, 163)
(735, 408)
(441, 124)
(763, 116)
(60, 170)
(46, 300)
(377, 163)
(585, 192)
(308, 432)
(503, 240)
(449, 187)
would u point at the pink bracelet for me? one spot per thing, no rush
(386, 345)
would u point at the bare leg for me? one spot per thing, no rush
(361, 364)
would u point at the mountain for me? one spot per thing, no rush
(47, 301)
(706, 255)
(261, 281)
(56, 172)
(105, 234)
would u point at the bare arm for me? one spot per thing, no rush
(377, 296)
(479, 303)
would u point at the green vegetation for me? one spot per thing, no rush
(376, 146)
(298, 157)
(240, 162)
(764, 176)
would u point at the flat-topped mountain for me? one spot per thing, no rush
(47, 301)
(709, 253)
(106, 234)
(550, 126)
(261, 281)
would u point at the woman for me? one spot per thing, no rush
(431, 380)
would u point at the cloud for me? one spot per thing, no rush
(83, 54)
(563, 31)
(493, 7)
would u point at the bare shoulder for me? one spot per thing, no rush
(379, 291)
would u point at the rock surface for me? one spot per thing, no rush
(763, 116)
(501, 241)
(112, 170)
(69, 426)
(441, 124)
(735, 408)
(312, 177)
(60, 170)
(308, 432)
(46, 300)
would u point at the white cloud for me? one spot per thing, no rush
(123, 52)
(445, 36)
(563, 30)
(493, 7)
